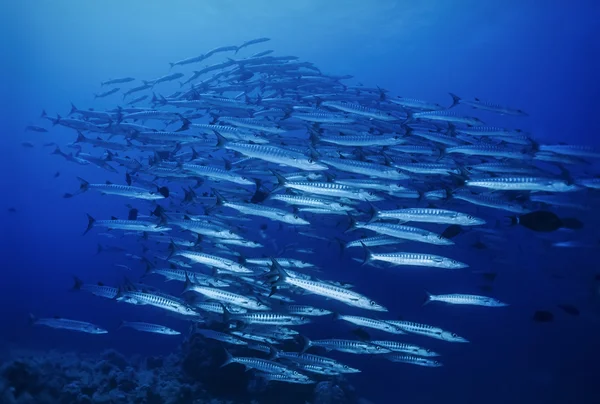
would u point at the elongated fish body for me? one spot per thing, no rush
(524, 184)
(428, 331)
(488, 106)
(503, 168)
(174, 274)
(321, 370)
(349, 297)
(416, 104)
(126, 191)
(206, 228)
(117, 81)
(488, 150)
(416, 260)
(371, 323)
(365, 168)
(428, 168)
(481, 131)
(271, 319)
(66, 324)
(333, 190)
(228, 297)
(413, 360)
(322, 361)
(274, 377)
(446, 116)
(473, 300)
(396, 346)
(129, 225)
(405, 232)
(300, 200)
(427, 215)
(321, 117)
(217, 174)
(107, 292)
(161, 301)
(253, 337)
(262, 365)
(273, 154)
(213, 261)
(254, 124)
(217, 307)
(571, 150)
(266, 211)
(374, 241)
(489, 201)
(220, 336)
(593, 183)
(363, 140)
(361, 110)
(151, 328)
(349, 346)
(437, 137)
(301, 310)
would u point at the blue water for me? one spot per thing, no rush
(540, 57)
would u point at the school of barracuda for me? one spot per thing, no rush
(273, 138)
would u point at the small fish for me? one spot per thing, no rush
(543, 316)
(66, 324)
(540, 221)
(151, 328)
(569, 309)
(27, 144)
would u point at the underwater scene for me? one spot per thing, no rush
(300, 202)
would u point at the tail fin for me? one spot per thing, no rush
(173, 249)
(77, 283)
(122, 324)
(306, 343)
(221, 141)
(32, 319)
(455, 100)
(281, 180)
(352, 224)
(73, 109)
(185, 124)
(374, 212)
(83, 184)
(368, 254)
(189, 285)
(91, 222)
(427, 299)
(228, 358)
(164, 191)
(220, 199)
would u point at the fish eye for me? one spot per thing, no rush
(230, 232)
(377, 347)
(244, 178)
(258, 304)
(303, 318)
(311, 161)
(295, 216)
(454, 335)
(346, 366)
(372, 303)
(428, 350)
(371, 193)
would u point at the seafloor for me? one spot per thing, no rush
(192, 375)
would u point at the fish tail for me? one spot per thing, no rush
(351, 225)
(91, 222)
(368, 254)
(73, 109)
(188, 285)
(32, 319)
(228, 358)
(220, 199)
(83, 184)
(77, 283)
(455, 100)
(374, 212)
(428, 298)
(221, 141)
(342, 245)
(306, 343)
(172, 248)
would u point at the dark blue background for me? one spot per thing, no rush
(541, 57)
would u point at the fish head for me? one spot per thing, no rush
(372, 305)
(426, 352)
(98, 330)
(452, 337)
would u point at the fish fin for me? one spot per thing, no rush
(91, 221)
(228, 358)
(352, 224)
(32, 319)
(427, 299)
(455, 100)
(368, 254)
(306, 343)
(83, 184)
(77, 283)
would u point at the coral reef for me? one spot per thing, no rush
(191, 376)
